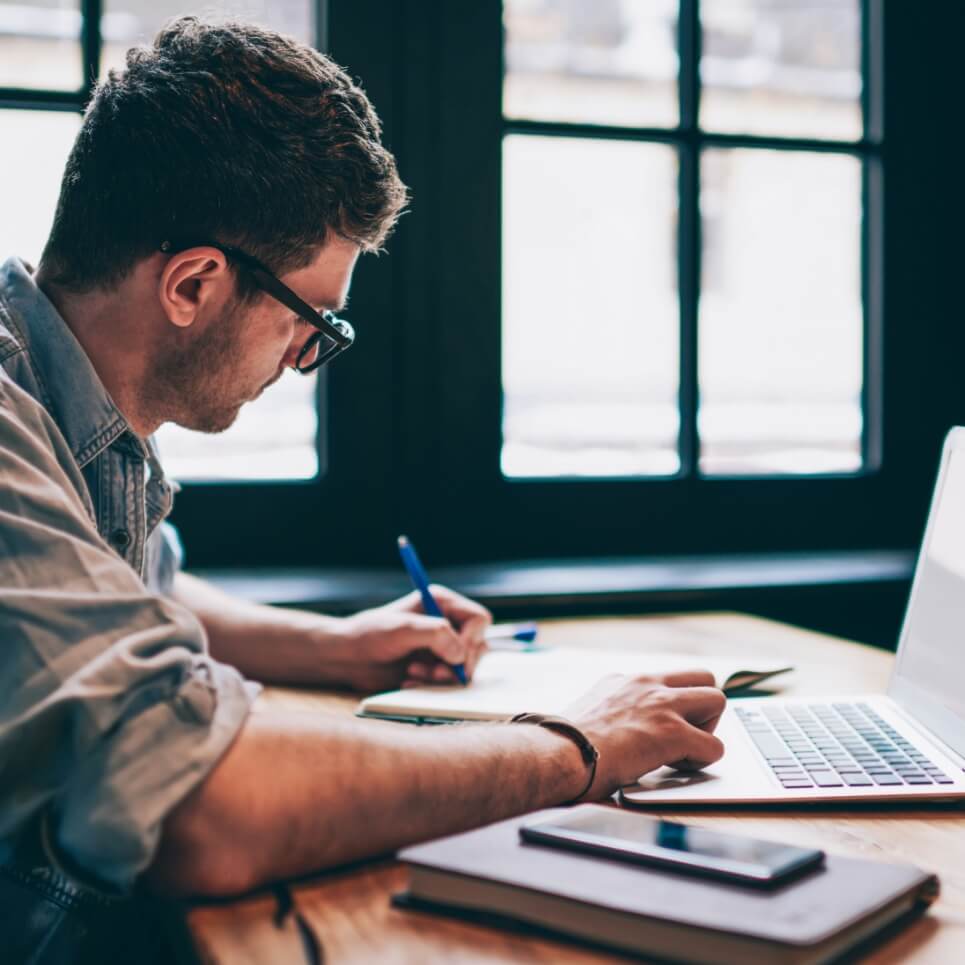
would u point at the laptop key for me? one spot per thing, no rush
(770, 745)
(857, 780)
(848, 745)
(825, 778)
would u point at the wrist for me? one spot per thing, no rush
(331, 648)
(581, 750)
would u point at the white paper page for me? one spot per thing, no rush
(542, 681)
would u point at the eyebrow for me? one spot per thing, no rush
(335, 309)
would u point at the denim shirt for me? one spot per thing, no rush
(111, 708)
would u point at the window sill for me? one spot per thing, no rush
(579, 585)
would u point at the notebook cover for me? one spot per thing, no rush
(803, 912)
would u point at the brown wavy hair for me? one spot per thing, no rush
(221, 132)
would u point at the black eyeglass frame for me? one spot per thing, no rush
(340, 332)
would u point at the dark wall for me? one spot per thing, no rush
(398, 432)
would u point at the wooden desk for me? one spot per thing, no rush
(349, 910)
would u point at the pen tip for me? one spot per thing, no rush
(403, 541)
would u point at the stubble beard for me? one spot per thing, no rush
(193, 385)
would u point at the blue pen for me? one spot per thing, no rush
(421, 582)
(512, 636)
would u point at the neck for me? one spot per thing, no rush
(106, 325)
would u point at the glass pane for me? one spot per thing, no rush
(599, 62)
(40, 45)
(129, 22)
(784, 67)
(274, 438)
(32, 177)
(590, 309)
(780, 313)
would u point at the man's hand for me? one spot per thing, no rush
(641, 723)
(374, 650)
(398, 645)
(269, 792)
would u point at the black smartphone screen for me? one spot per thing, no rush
(634, 837)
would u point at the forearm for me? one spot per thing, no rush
(265, 643)
(299, 793)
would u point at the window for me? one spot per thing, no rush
(706, 173)
(46, 51)
(649, 263)
(644, 298)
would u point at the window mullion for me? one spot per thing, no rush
(688, 231)
(90, 39)
(872, 235)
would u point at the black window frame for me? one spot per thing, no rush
(411, 417)
(689, 141)
(688, 513)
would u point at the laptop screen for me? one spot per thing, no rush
(930, 675)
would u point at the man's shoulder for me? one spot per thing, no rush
(25, 423)
(15, 361)
(11, 338)
(38, 473)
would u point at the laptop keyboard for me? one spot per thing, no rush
(836, 745)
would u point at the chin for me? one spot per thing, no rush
(212, 422)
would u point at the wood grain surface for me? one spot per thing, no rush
(353, 922)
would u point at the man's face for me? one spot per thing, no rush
(206, 378)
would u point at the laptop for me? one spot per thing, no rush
(907, 745)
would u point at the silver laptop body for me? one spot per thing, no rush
(907, 745)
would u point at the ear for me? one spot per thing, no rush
(191, 279)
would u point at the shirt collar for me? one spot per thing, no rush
(78, 401)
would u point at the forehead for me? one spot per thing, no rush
(325, 282)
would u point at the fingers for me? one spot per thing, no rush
(441, 647)
(463, 646)
(700, 708)
(700, 749)
(431, 671)
(687, 678)
(473, 635)
(697, 705)
(439, 637)
(458, 608)
(428, 671)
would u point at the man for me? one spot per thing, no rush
(215, 203)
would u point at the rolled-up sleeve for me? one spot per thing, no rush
(111, 708)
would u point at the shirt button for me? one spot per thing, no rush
(121, 538)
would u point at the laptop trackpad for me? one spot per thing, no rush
(666, 779)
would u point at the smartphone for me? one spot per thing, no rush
(679, 847)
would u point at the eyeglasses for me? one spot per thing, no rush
(332, 335)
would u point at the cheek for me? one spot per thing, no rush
(270, 337)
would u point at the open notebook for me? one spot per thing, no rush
(550, 681)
